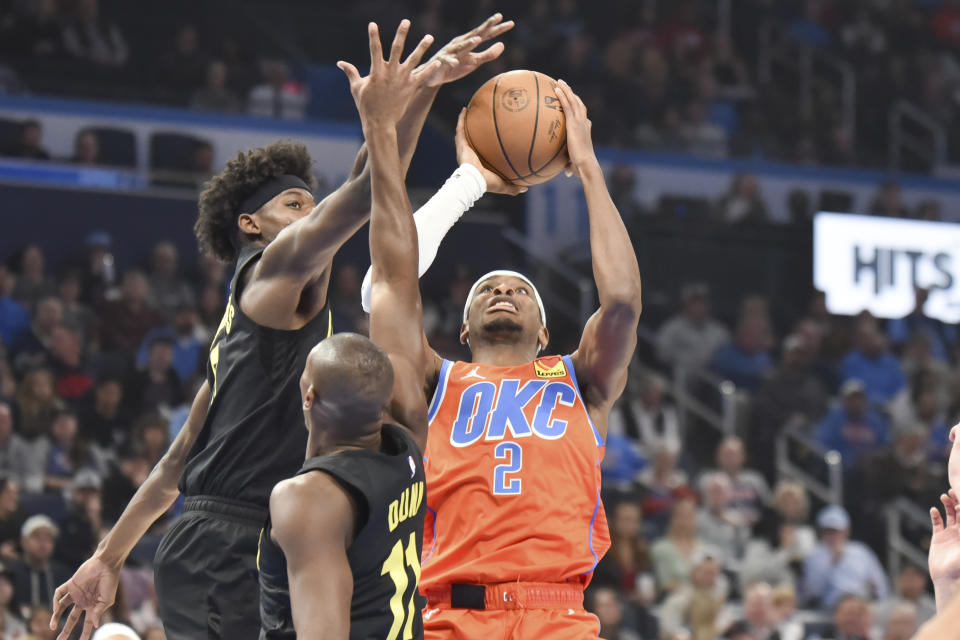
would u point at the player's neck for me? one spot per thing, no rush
(502, 355)
(324, 443)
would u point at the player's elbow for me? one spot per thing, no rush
(624, 299)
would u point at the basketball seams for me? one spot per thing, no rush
(486, 163)
(536, 123)
(496, 130)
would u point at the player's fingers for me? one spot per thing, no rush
(417, 54)
(420, 74)
(498, 30)
(88, 626)
(935, 520)
(562, 97)
(70, 623)
(61, 600)
(950, 509)
(399, 38)
(376, 50)
(461, 119)
(349, 70)
(953, 433)
(575, 100)
(486, 24)
(490, 53)
(515, 190)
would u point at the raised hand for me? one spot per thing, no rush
(579, 142)
(466, 155)
(944, 556)
(92, 589)
(953, 464)
(458, 57)
(383, 95)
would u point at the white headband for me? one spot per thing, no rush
(512, 274)
(113, 629)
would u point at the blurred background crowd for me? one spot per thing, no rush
(100, 357)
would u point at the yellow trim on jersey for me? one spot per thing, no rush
(329, 322)
(260, 544)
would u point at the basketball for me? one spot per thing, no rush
(515, 124)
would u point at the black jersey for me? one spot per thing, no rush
(388, 489)
(254, 435)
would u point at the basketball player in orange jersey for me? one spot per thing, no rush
(514, 524)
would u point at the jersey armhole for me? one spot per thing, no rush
(437, 399)
(363, 507)
(576, 387)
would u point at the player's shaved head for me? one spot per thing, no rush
(347, 383)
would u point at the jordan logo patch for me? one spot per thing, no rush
(550, 367)
(473, 374)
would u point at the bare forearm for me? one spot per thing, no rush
(392, 230)
(411, 124)
(615, 267)
(158, 492)
(944, 594)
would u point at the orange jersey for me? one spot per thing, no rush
(513, 477)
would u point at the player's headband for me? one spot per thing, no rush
(512, 274)
(270, 190)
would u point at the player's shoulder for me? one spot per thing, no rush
(304, 498)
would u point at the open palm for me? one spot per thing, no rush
(91, 590)
(458, 55)
(944, 559)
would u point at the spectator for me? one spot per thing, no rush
(701, 137)
(11, 519)
(93, 38)
(839, 566)
(68, 364)
(157, 386)
(759, 615)
(785, 606)
(663, 484)
(153, 434)
(38, 624)
(901, 622)
(717, 525)
(76, 315)
(32, 349)
(777, 557)
(851, 621)
(28, 145)
(124, 322)
(181, 70)
(123, 480)
(697, 605)
(63, 453)
(15, 453)
(36, 575)
(941, 336)
(105, 422)
(623, 192)
(888, 202)
(188, 343)
(99, 269)
(81, 526)
(745, 361)
(792, 392)
(873, 364)
(608, 608)
(278, 96)
(215, 95)
(115, 631)
(808, 28)
(37, 404)
(750, 491)
(86, 148)
(673, 554)
(742, 203)
(854, 428)
(929, 210)
(14, 318)
(33, 284)
(168, 291)
(626, 566)
(911, 590)
(690, 338)
(36, 34)
(646, 418)
(11, 627)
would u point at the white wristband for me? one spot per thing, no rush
(437, 216)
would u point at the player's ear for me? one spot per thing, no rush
(248, 224)
(464, 334)
(543, 339)
(309, 397)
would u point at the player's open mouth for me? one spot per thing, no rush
(503, 305)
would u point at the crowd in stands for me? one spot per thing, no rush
(668, 75)
(709, 538)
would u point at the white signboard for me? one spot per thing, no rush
(864, 262)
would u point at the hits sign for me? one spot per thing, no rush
(864, 262)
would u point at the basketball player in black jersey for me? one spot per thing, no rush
(245, 432)
(350, 524)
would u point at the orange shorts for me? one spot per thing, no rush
(514, 611)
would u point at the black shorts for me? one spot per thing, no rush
(206, 571)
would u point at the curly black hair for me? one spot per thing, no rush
(216, 227)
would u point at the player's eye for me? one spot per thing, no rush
(523, 290)
(485, 288)
(294, 203)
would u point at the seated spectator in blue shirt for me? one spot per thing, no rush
(14, 318)
(941, 336)
(853, 428)
(873, 364)
(745, 361)
(838, 566)
(187, 345)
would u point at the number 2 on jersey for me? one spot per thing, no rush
(513, 454)
(394, 567)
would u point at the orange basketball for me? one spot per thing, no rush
(515, 124)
